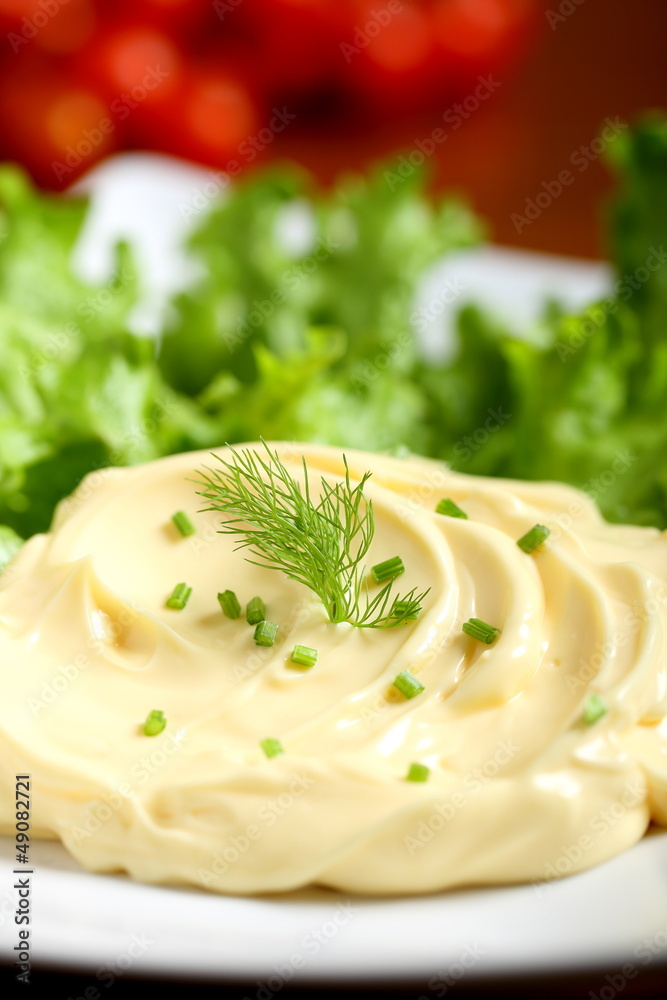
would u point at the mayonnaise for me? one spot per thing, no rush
(520, 787)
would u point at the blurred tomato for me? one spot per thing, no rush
(203, 78)
(478, 35)
(181, 16)
(294, 43)
(390, 55)
(133, 61)
(207, 119)
(50, 25)
(55, 126)
(12, 13)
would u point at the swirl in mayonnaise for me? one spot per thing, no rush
(518, 780)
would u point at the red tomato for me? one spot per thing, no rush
(180, 15)
(133, 64)
(56, 127)
(390, 57)
(202, 78)
(13, 11)
(209, 117)
(49, 25)
(475, 35)
(292, 44)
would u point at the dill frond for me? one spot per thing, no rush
(319, 544)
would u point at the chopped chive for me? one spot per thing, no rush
(533, 538)
(265, 633)
(305, 656)
(451, 509)
(255, 611)
(594, 709)
(408, 685)
(388, 570)
(183, 523)
(418, 772)
(409, 610)
(229, 603)
(477, 629)
(271, 747)
(155, 723)
(180, 596)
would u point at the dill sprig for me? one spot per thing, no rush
(321, 544)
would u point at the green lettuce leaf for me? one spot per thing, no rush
(77, 390)
(311, 339)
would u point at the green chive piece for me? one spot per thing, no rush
(305, 656)
(271, 747)
(388, 570)
(229, 603)
(183, 523)
(409, 610)
(418, 772)
(180, 596)
(408, 685)
(265, 633)
(594, 709)
(533, 538)
(451, 509)
(155, 723)
(255, 611)
(477, 629)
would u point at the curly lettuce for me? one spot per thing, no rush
(310, 337)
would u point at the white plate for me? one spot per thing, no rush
(110, 926)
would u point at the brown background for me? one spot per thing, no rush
(609, 58)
